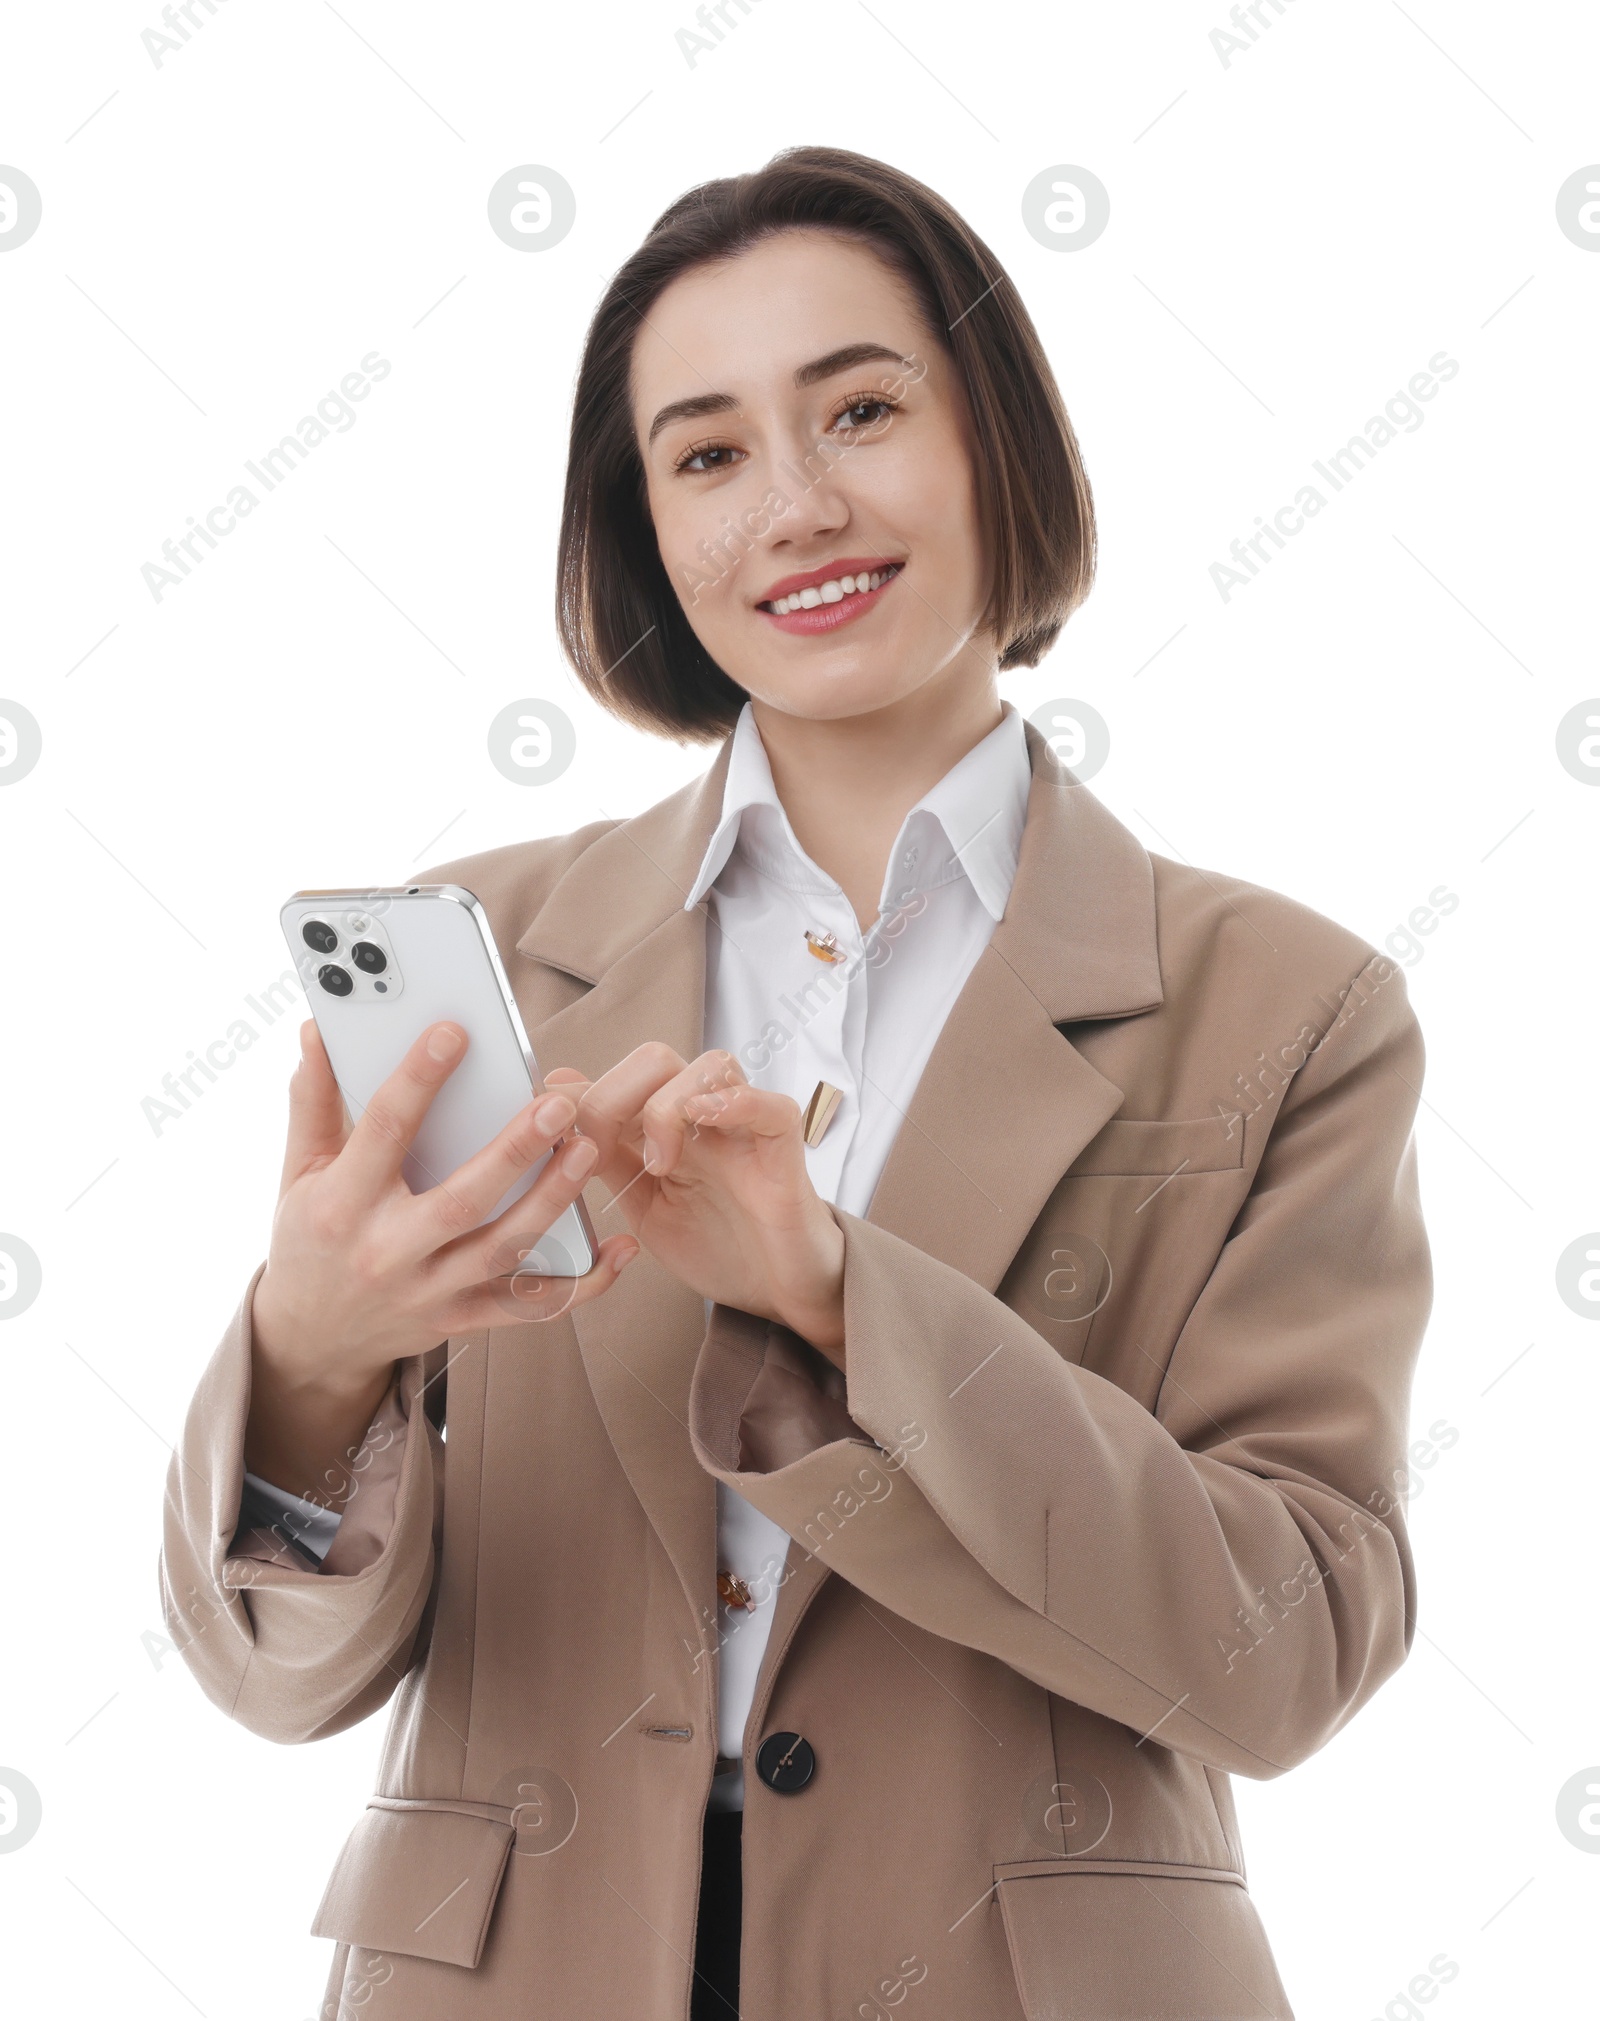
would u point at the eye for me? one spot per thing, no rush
(697, 457)
(856, 413)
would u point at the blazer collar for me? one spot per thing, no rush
(1079, 928)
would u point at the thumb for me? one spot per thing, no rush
(318, 1125)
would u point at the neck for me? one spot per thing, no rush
(848, 783)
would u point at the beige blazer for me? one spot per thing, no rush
(1108, 1510)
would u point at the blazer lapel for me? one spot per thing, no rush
(1006, 1101)
(616, 921)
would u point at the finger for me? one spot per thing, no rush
(771, 1124)
(384, 1131)
(459, 1202)
(571, 1082)
(609, 1109)
(523, 1295)
(759, 1110)
(317, 1122)
(663, 1119)
(619, 1167)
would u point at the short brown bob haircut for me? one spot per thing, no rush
(620, 620)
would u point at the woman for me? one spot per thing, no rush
(895, 1561)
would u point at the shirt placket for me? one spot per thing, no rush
(900, 884)
(828, 1035)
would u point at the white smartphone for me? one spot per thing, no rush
(378, 967)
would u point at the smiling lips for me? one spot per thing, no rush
(822, 603)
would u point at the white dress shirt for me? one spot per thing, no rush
(866, 1023)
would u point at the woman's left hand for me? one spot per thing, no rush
(710, 1174)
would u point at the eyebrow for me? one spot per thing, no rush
(825, 367)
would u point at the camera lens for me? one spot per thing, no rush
(319, 934)
(369, 957)
(335, 980)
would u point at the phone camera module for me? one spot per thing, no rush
(316, 933)
(335, 980)
(369, 957)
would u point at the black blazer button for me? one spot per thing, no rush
(785, 1762)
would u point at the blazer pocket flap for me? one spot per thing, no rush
(1159, 1149)
(1136, 1945)
(417, 1880)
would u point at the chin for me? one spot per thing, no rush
(827, 698)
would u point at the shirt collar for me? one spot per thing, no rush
(980, 806)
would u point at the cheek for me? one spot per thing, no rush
(675, 527)
(682, 528)
(929, 496)
(708, 535)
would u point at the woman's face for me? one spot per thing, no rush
(802, 431)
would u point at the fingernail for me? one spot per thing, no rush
(579, 1158)
(444, 1043)
(554, 1115)
(652, 1152)
(624, 1261)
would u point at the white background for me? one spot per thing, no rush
(1292, 236)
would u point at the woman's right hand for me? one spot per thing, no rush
(362, 1271)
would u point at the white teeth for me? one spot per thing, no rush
(830, 592)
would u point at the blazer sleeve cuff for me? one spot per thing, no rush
(287, 1649)
(280, 1528)
(762, 1398)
